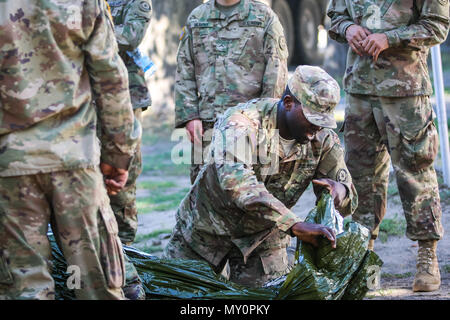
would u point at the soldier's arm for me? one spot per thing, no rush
(276, 55)
(237, 178)
(430, 29)
(109, 80)
(137, 19)
(340, 20)
(186, 93)
(332, 166)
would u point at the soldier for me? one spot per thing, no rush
(389, 115)
(131, 21)
(53, 55)
(238, 209)
(230, 52)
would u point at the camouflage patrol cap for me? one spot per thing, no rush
(318, 93)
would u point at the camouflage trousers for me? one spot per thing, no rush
(267, 262)
(379, 130)
(199, 152)
(124, 207)
(76, 204)
(124, 203)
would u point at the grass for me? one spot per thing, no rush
(154, 234)
(161, 199)
(446, 268)
(161, 164)
(152, 249)
(396, 275)
(392, 227)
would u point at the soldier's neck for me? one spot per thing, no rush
(227, 3)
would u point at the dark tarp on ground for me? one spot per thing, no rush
(320, 273)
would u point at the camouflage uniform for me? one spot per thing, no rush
(131, 21)
(224, 60)
(238, 208)
(388, 114)
(53, 56)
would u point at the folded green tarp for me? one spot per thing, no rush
(321, 273)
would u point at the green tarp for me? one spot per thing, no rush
(321, 273)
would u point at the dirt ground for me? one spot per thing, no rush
(398, 253)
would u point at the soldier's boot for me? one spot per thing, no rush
(371, 244)
(428, 277)
(133, 288)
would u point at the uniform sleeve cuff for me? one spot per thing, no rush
(393, 38)
(181, 123)
(287, 221)
(120, 161)
(344, 26)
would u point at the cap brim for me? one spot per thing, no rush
(324, 120)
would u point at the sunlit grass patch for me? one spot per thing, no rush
(392, 227)
(161, 164)
(154, 234)
(161, 200)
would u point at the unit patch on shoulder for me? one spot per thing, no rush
(342, 175)
(282, 43)
(145, 6)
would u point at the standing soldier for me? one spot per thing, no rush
(131, 21)
(53, 56)
(389, 114)
(231, 51)
(238, 209)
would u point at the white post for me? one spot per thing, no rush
(441, 111)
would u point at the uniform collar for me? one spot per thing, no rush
(243, 11)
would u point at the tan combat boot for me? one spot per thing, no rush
(428, 277)
(371, 244)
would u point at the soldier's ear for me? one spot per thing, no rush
(288, 102)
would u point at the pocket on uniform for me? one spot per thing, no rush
(275, 262)
(111, 251)
(419, 152)
(5, 274)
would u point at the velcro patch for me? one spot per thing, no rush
(200, 25)
(252, 24)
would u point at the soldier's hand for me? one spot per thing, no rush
(310, 232)
(355, 35)
(337, 190)
(195, 130)
(115, 178)
(375, 44)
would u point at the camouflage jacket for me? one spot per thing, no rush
(223, 61)
(411, 26)
(131, 21)
(243, 194)
(53, 55)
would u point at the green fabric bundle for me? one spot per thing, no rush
(321, 273)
